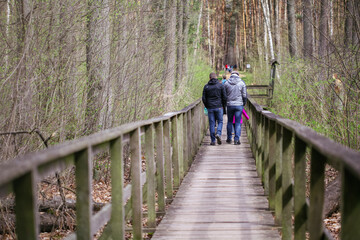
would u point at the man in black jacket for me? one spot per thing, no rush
(214, 99)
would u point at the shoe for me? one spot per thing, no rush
(218, 139)
(237, 143)
(212, 143)
(228, 141)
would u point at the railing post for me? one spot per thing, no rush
(317, 187)
(185, 143)
(272, 164)
(278, 170)
(175, 150)
(83, 164)
(266, 154)
(136, 189)
(150, 175)
(258, 143)
(287, 190)
(27, 223)
(189, 138)
(300, 208)
(117, 184)
(160, 166)
(350, 205)
(168, 163)
(181, 146)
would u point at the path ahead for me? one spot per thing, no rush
(220, 198)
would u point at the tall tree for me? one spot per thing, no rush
(265, 7)
(170, 48)
(98, 65)
(324, 29)
(308, 33)
(291, 28)
(180, 42)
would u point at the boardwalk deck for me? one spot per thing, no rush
(220, 198)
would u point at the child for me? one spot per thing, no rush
(241, 120)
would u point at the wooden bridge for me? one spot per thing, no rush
(219, 194)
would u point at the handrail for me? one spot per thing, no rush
(171, 142)
(280, 147)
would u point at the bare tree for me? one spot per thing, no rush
(291, 28)
(307, 29)
(265, 7)
(170, 48)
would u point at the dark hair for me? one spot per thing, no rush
(212, 75)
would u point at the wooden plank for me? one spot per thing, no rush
(278, 170)
(300, 208)
(26, 207)
(136, 188)
(350, 206)
(175, 150)
(287, 190)
(117, 172)
(167, 159)
(317, 187)
(83, 163)
(160, 172)
(150, 175)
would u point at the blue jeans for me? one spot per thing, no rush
(213, 115)
(231, 112)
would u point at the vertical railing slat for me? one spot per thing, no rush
(25, 207)
(300, 208)
(278, 170)
(136, 189)
(175, 150)
(160, 174)
(287, 190)
(168, 163)
(189, 138)
(266, 155)
(317, 187)
(181, 146)
(185, 143)
(117, 184)
(150, 175)
(272, 164)
(350, 206)
(83, 164)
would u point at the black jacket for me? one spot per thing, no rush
(214, 95)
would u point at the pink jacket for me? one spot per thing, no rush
(245, 115)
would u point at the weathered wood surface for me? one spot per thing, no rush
(221, 197)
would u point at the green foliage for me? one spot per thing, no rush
(194, 84)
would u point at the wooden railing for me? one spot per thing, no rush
(281, 147)
(170, 143)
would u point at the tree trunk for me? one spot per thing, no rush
(197, 39)
(186, 37)
(98, 65)
(265, 7)
(324, 30)
(307, 30)
(170, 47)
(291, 28)
(180, 45)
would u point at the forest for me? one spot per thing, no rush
(70, 68)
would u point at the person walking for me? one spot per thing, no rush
(236, 94)
(214, 99)
(223, 80)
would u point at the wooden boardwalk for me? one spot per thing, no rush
(220, 198)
